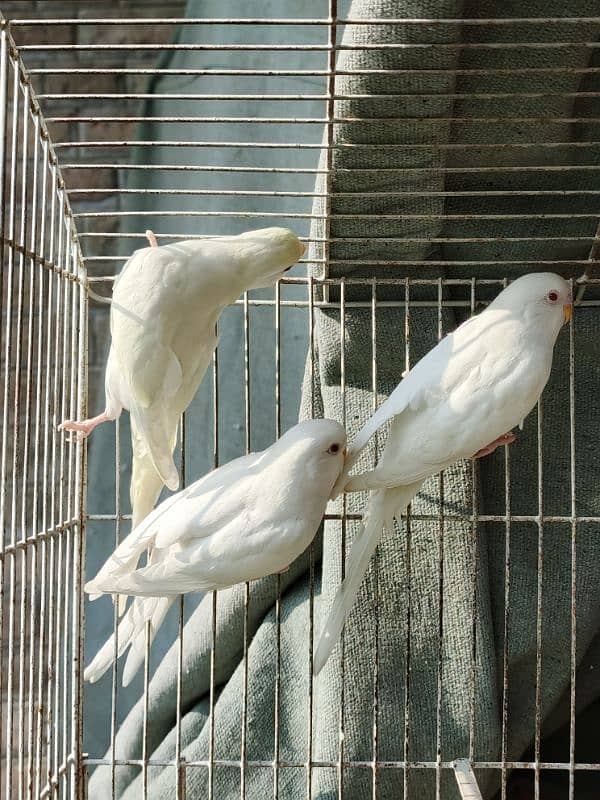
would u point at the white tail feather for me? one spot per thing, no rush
(138, 644)
(146, 486)
(157, 442)
(131, 632)
(383, 506)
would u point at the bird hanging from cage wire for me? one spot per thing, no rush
(249, 518)
(164, 311)
(460, 401)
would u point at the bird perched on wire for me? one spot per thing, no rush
(460, 401)
(164, 310)
(247, 519)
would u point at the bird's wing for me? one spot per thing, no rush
(211, 502)
(194, 513)
(475, 401)
(439, 378)
(143, 313)
(126, 556)
(154, 432)
(414, 391)
(238, 550)
(417, 390)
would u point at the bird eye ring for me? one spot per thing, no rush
(335, 448)
(552, 296)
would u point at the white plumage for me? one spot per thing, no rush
(164, 310)
(247, 519)
(459, 401)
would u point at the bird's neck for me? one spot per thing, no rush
(541, 332)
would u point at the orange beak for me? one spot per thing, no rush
(303, 251)
(567, 312)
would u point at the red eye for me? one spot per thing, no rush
(335, 448)
(552, 296)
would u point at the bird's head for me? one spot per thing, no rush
(542, 299)
(267, 254)
(319, 446)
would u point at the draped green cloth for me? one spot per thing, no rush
(390, 173)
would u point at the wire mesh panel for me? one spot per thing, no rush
(426, 161)
(41, 505)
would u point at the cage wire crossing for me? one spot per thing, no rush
(421, 189)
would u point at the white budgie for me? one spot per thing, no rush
(164, 310)
(459, 401)
(247, 519)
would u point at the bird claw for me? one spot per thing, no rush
(82, 429)
(78, 430)
(507, 438)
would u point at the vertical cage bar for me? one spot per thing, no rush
(506, 624)
(67, 509)
(56, 481)
(80, 512)
(244, 732)
(54, 735)
(34, 369)
(146, 711)
(311, 553)
(35, 719)
(114, 686)
(343, 532)
(20, 442)
(440, 658)
(46, 301)
(277, 687)
(475, 554)
(180, 773)
(573, 587)
(63, 541)
(375, 742)
(329, 134)
(539, 606)
(3, 126)
(179, 762)
(407, 555)
(213, 633)
(5, 339)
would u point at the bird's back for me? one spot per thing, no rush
(462, 395)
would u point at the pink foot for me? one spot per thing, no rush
(151, 238)
(508, 438)
(83, 429)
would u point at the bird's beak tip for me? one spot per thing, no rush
(567, 312)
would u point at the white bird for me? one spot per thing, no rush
(247, 519)
(458, 402)
(164, 310)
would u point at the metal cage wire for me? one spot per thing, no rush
(51, 263)
(42, 501)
